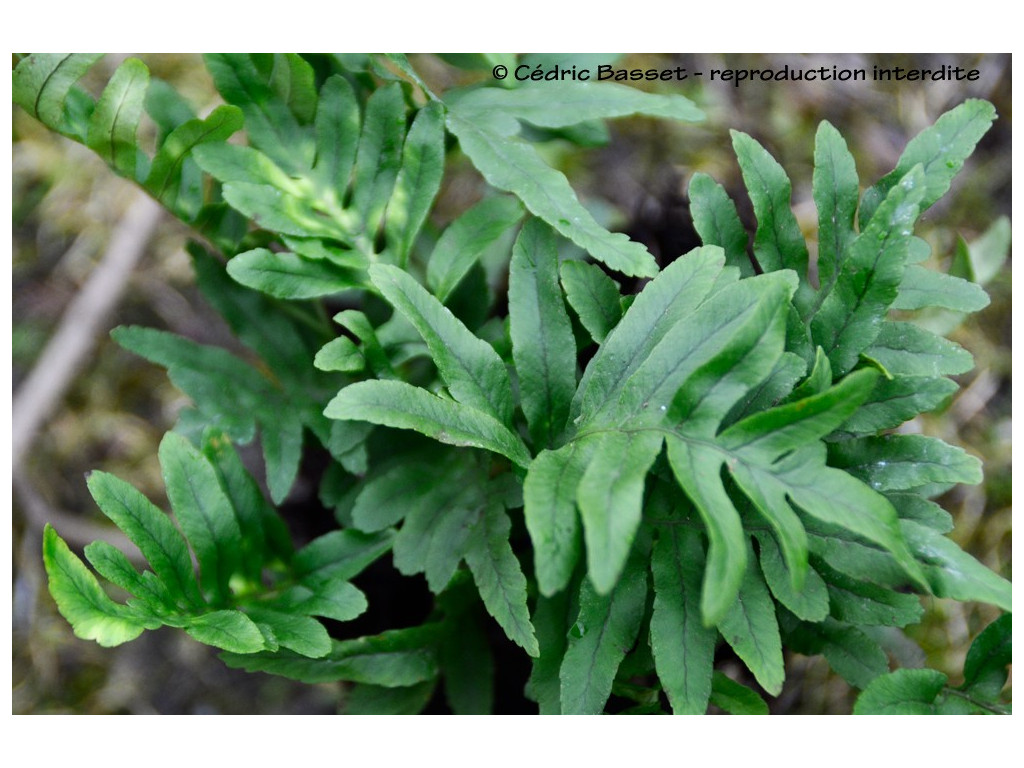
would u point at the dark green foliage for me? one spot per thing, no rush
(231, 605)
(927, 691)
(719, 475)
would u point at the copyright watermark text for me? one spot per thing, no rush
(735, 77)
(602, 72)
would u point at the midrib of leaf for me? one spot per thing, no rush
(152, 592)
(402, 62)
(260, 105)
(489, 395)
(752, 349)
(113, 130)
(547, 523)
(861, 294)
(181, 159)
(875, 602)
(546, 378)
(447, 506)
(640, 349)
(720, 226)
(651, 428)
(618, 614)
(766, 191)
(418, 175)
(468, 369)
(752, 396)
(823, 290)
(46, 82)
(946, 147)
(221, 630)
(88, 595)
(117, 116)
(843, 535)
(756, 636)
(497, 147)
(836, 642)
(596, 301)
(521, 631)
(208, 524)
(273, 269)
(567, 466)
(915, 463)
(511, 608)
(578, 219)
(896, 397)
(679, 574)
(461, 482)
(593, 658)
(182, 588)
(725, 328)
(598, 645)
(611, 486)
(987, 706)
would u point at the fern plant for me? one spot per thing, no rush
(625, 485)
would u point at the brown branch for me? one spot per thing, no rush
(67, 351)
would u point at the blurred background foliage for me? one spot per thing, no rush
(66, 205)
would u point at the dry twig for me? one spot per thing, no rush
(84, 320)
